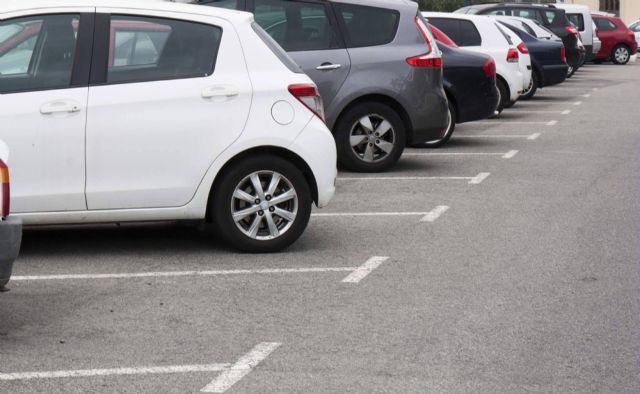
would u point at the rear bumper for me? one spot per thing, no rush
(10, 239)
(478, 105)
(554, 74)
(430, 122)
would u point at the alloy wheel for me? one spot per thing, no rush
(622, 55)
(264, 205)
(372, 138)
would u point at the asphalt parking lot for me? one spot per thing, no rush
(504, 262)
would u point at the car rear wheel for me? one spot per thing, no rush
(370, 138)
(571, 70)
(504, 96)
(451, 126)
(621, 55)
(262, 204)
(532, 89)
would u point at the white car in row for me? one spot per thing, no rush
(144, 111)
(482, 34)
(635, 28)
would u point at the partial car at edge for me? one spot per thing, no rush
(10, 227)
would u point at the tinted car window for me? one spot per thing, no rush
(604, 24)
(524, 13)
(462, 32)
(230, 4)
(358, 21)
(551, 16)
(150, 49)
(37, 53)
(499, 12)
(296, 26)
(635, 27)
(577, 20)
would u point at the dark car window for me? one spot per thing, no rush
(230, 4)
(604, 24)
(37, 53)
(296, 26)
(358, 21)
(551, 16)
(152, 49)
(526, 13)
(462, 32)
(635, 27)
(577, 20)
(528, 29)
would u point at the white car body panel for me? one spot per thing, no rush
(129, 158)
(635, 28)
(493, 44)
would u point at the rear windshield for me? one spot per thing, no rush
(277, 49)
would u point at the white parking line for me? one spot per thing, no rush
(566, 112)
(410, 178)
(504, 155)
(527, 111)
(551, 123)
(479, 178)
(577, 103)
(586, 95)
(435, 213)
(241, 368)
(365, 269)
(530, 137)
(80, 373)
(356, 214)
(512, 122)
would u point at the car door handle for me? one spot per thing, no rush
(221, 91)
(328, 67)
(55, 107)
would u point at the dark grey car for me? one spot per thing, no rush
(378, 71)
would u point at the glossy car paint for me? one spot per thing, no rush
(621, 35)
(187, 157)
(546, 57)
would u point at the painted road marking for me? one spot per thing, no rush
(504, 155)
(241, 368)
(552, 123)
(531, 137)
(532, 111)
(577, 103)
(410, 178)
(435, 213)
(511, 122)
(365, 269)
(566, 112)
(374, 214)
(479, 178)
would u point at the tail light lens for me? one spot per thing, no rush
(489, 68)
(309, 96)
(513, 56)
(4, 190)
(563, 54)
(571, 30)
(429, 59)
(522, 47)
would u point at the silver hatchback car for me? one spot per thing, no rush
(377, 66)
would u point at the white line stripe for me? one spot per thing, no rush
(534, 136)
(181, 273)
(455, 154)
(346, 214)
(577, 103)
(115, 371)
(552, 123)
(566, 112)
(365, 269)
(406, 178)
(435, 214)
(479, 178)
(510, 154)
(505, 121)
(527, 111)
(586, 95)
(241, 368)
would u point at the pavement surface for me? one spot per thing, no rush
(506, 262)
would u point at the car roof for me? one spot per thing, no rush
(150, 5)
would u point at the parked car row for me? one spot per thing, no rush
(152, 110)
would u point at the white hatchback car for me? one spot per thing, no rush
(481, 34)
(120, 111)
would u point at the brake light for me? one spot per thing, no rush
(522, 47)
(571, 30)
(309, 96)
(489, 68)
(631, 34)
(428, 59)
(513, 56)
(4, 190)
(563, 54)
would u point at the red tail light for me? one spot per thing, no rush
(513, 56)
(309, 96)
(489, 68)
(428, 59)
(5, 194)
(522, 47)
(631, 34)
(563, 54)
(571, 30)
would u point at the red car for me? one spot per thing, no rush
(618, 42)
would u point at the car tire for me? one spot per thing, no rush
(621, 54)
(370, 137)
(571, 70)
(504, 95)
(532, 89)
(453, 115)
(270, 226)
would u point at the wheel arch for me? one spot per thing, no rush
(270, 150)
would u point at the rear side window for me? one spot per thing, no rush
(635, 27)
(150, 49)
(551, 16)
(296, 26)
(604, 24)
(230, 4)
(462, 32)
(525, 13)
(367, 26)
(277, 49)
(577, 20)
(37, 53)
